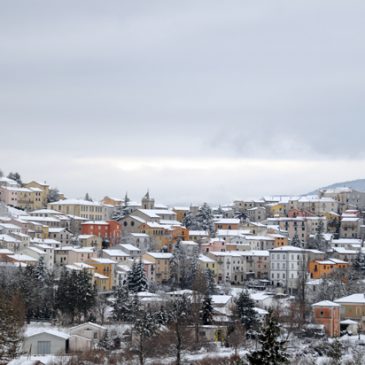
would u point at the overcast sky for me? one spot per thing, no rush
(196, 100)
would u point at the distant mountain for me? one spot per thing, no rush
(354, 184)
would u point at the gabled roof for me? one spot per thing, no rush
(325, 303)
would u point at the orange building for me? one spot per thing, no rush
(279, 240)
(226, 223)
(110, 230)
(319, 269)
(327, 313)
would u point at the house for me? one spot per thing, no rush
(139, 240)
(161, 262)
(226, 223)
(85, 336)
(327, 313)
(45, 341)
(89, 240)
(198, 236)
(104, 272)
(288, 264)
(60, 234)
(90, 210)
(322, 268)
(131, 250)
(256, 214)
(107, 230)
(353, 307)
(119, 256)
(206, 263)
(181, 213)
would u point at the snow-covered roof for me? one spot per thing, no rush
(22, 257)
(129, 247)
(206, 259)
(139, 235)
(358, 298)
(116, 253)
(5, 251)
(221, 299)
(189, 243)
(7, 238)
(227, 221)
(99, 223)
(325, 303)
(75, 202)
(198, 233)
(160, 255)
(102, 260)
(32, 331)
(288, 249)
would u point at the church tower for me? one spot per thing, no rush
(147, 202)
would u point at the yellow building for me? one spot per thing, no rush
(279, 240)
(43, 190)
(115, 202)
(104, 273)
(161, 261)
(94, 211)
(276, 210)
(207, 263)
(181, 213)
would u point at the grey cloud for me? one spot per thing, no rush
(244, 79)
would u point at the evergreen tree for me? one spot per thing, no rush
(11, 326)
(245, 311)
(122, 306)
(359, 263)
(211, 287)
(335, 352)
(88, 197)
(205, 219)
(272, 350)
(75, 294)
(136, 278)
(179, 273)
(106, 342)
(296, 241)
(145, 327)
(319, 242)
(207, 310)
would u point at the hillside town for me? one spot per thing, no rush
(119, 281)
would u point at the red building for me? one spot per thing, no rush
(106, 230)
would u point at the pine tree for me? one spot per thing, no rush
(145, 327)
(75, 294)
(245, 311)
(136, 278)
(88, 197)
(272, 350)
(106, 342)
(319, 242)
(179, 275)
(211, 287)
(335, 352)
(296, 241)
(359, 263)
(122, 306)
(207, 310)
